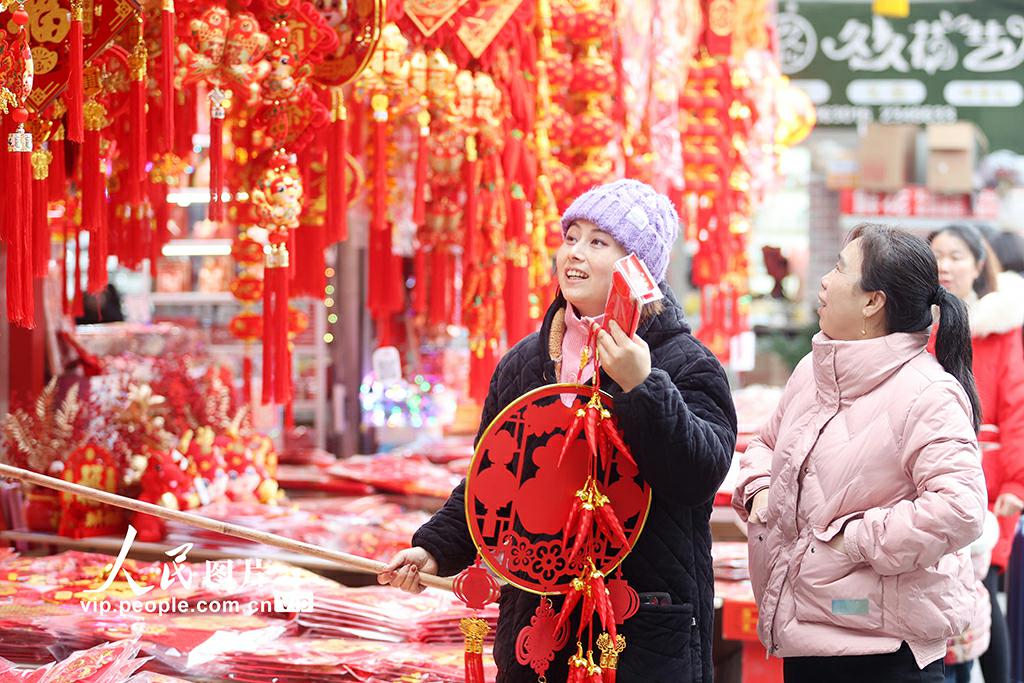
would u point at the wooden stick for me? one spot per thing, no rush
(345, 560)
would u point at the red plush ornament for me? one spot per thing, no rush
(223, 51)
(161, 480)
(94, 467)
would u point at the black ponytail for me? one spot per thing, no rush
(953, 346)
(903, 266)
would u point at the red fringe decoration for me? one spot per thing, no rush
(419, 204)
(337, 180)
(276, 352)
(216, 169)
(269, 285)
(137, 142)
(247, 378)
(78, 306)
(517, 275)
(469, 218)
(184, 103)
(40, 227)
(480, 371)
(58, 174)
(20, 305)
(309, 280)
(76, 121)
(380, 235)
(440, 274)
(419, 292)
(92, 194)
(93, 208)
(65, 304)
(161, 214)
(167, 72)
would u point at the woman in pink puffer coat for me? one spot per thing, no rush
(865, 488)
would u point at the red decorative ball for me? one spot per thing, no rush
(560, 132)
(587, 176)
(247, 326)
(593, 73)
(563, 17)
(20, 17)
(19, 115)
(593, 23)
(560, 71)
(562, 181)
(593, 128)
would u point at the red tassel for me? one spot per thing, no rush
(76, 120)
(269, 286)
(247, 378)
(93, 209)
(184, 103)
(40, 226)
(419, 292)
(27, 247)
(65, 301)
(419, 203)
(276, 353)
(438, 285)
(18, 229)
(137, 140)
(15, 304)
(283, 374)
(474, 631)
(217, 113)
(380, 170)
(161, 214)
(517, 272)
(470, 215)
(309, 280)
(337, 171)
(78, 306)
(58, 176)
(167, 72)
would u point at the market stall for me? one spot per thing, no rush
(260, 262)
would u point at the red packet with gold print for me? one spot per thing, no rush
(632, 287)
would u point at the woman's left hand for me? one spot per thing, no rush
(1007, 505)
(627, 360)
(838, 542)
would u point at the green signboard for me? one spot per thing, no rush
(947, 61)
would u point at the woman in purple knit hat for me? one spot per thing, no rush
(675, 409)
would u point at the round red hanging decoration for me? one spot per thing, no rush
(518, 496)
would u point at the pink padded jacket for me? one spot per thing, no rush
(873, 437)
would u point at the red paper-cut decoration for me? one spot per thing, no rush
(625, 600)
(537, 644)
(476, 587)
(520, 531)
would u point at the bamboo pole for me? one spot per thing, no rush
(344, 560)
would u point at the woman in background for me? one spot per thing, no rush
(995, 303)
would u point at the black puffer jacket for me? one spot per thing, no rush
(680, 425)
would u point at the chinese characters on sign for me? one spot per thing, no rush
(949, 61)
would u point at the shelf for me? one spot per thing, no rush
(303, 350)
(198, 247)
(192, 298)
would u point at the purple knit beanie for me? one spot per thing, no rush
(640, 218)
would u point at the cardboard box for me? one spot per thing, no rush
(953, 153)
(886, 157)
